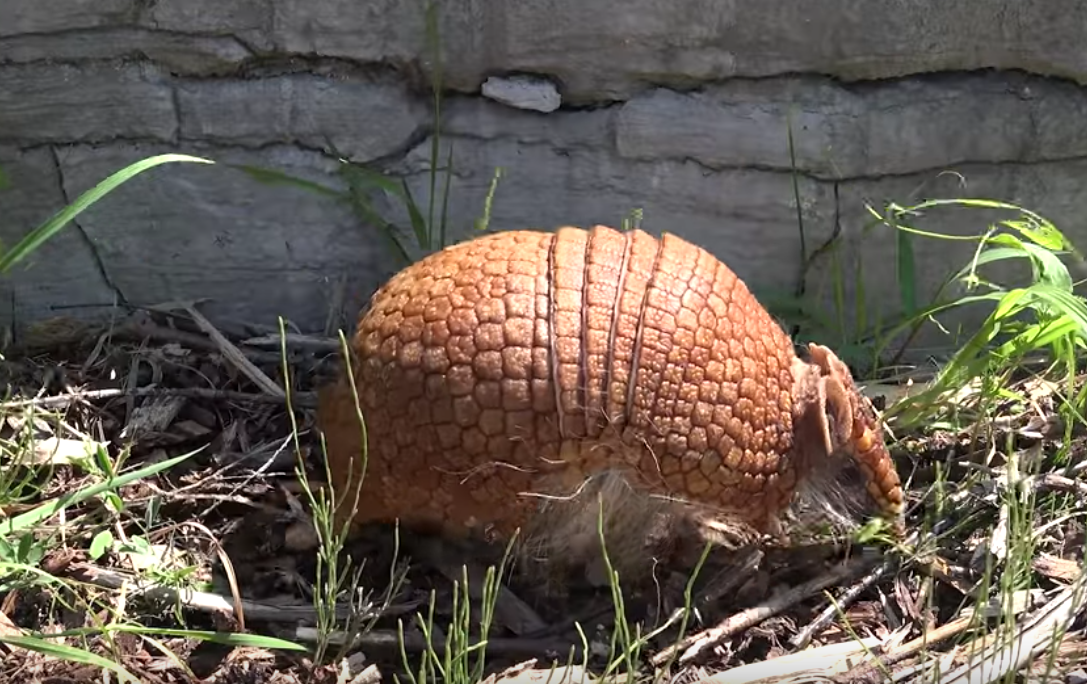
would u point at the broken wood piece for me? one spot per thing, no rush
(234, 355)
(696, 644)
(413, 642)
(59, 451)
(1032, 636)
(871, 671)
(510, 610)
(209, 602)
(1056, 568)
(299, 399)
(324, 345)
(154, 415)
(824, 661)
(9, 629)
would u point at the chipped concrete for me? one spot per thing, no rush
(523, 92)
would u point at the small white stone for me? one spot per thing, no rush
(523, 92)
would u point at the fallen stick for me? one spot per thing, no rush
(696, 644)
(208, 602)
(1031, 638)
(141, 331)
(302, 399)
(234, 355)
(804, 636)
(327, 345)
(371, 675)
(825, 661)
(416, 643)
(509, 609)
(871, 671)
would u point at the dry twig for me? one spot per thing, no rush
(826, 660)
(804, 636)
(696, 644)
(234, 355)
(870, 671)
(208, 602)
(1030, 639)
(388, 640)
(300, 399)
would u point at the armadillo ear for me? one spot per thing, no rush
(836, 386)
(815, 426)
(838, 411)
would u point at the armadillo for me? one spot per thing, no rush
(518, 364)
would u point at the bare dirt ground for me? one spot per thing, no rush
(235, 518)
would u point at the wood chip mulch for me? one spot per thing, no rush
(228, 543)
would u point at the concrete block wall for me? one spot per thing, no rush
(679, 108)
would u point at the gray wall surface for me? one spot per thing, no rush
(591, 108)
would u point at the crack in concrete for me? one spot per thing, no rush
(135, 52)
(423, 131)
(415, 138)
(312, 62)
(284, 64)
(98, 260)
(24, 146)
(766, 168)
(175, 102)
(207, 145)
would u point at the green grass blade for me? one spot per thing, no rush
(276, 177)
(1040, 337)
(33, 240)
(1046, 266)
(367, 176)
(356, 178)
(906, 271)
(69, 653)
(860, 300)
(892, 331)
(51, 508)
(484, 221)
(443, 232)
(227, 638)
(418, 221)
(1039, 231)
(1050, 270)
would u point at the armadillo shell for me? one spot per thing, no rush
(522, 362)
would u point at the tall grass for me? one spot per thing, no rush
(34, 239)
(1039, 323)
(1041, 318)
(1044, 314)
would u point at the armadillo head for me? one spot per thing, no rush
(835, 427)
